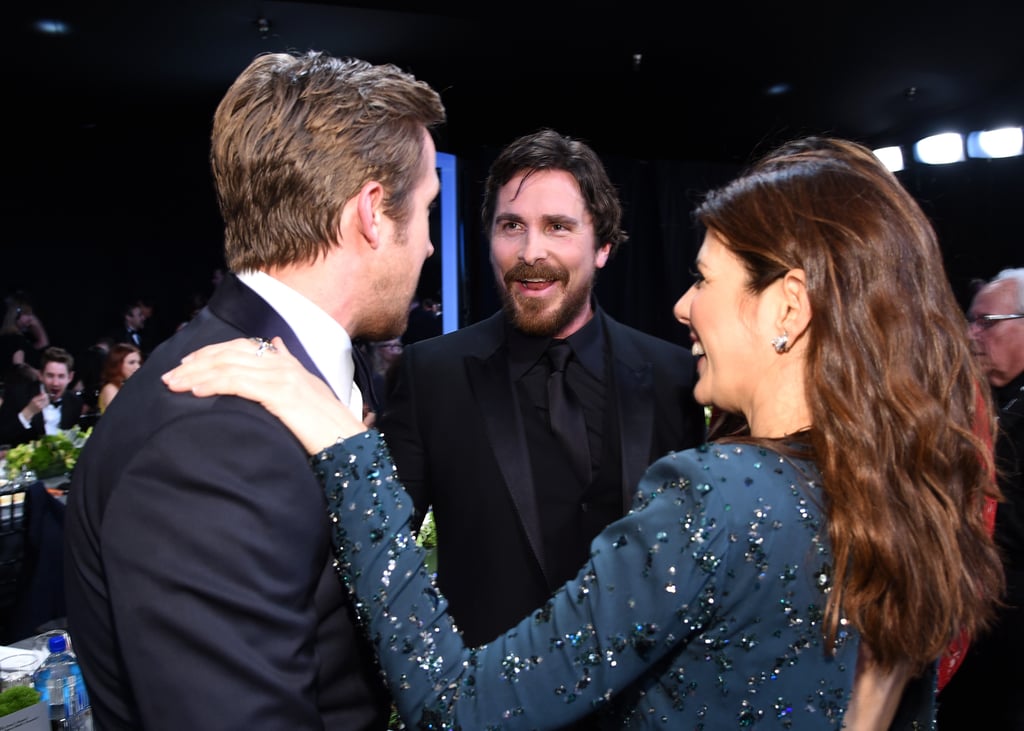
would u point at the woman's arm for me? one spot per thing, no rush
(107, 394)
(594, 637)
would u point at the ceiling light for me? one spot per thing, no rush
(51, 27)
(1005, 142)
(940, 149)
(891, 157)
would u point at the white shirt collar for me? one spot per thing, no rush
(51, 418)
(326, 341)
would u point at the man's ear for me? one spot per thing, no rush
(369, 206)
(795, 314)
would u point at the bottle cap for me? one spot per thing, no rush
(57, 643)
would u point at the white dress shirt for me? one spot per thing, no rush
(51, 419)
(326, 341)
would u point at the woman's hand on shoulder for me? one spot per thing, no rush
(267, 373)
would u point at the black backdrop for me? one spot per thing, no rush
(123, 208)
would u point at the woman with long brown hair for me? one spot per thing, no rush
(122, 361)
(805, 569)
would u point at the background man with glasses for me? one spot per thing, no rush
(989, 681)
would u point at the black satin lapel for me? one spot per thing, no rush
(490, 383)
(238, 305)
(634, 391)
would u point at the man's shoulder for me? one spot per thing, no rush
(627, 343)
(476, 339)
(1010, 404)
(649, 340)
(144, 403)
(619, 330)
(72, 400)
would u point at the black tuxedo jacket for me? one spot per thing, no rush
(992, 674)
(13, 432)
(124, 335)
(200, 588)
(454, 427)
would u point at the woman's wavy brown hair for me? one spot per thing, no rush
(114, 361)
(899, 406)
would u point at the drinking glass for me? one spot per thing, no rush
(17, 669)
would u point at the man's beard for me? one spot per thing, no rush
(532, 316)
(388, 317)
(386, 320)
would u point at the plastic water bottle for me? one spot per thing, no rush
(60, 685)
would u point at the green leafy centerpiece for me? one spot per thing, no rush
(52, 455)
(16, 698)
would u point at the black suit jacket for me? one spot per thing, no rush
(992, 674)
(200, 588)
(455, 430)
(13, 432)
(124, 335)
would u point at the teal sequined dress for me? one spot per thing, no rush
(701, 609)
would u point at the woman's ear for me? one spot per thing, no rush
(369, 206)
(795, 315)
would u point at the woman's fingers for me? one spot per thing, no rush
(212, 351)
(245, 367)
(267, 373)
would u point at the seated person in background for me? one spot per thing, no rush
(133, 320)
(797, 573)
(124, 359)
(13, 345)
(89, 369)
(424, 320)
(32, 409)
(22, 339)
(376, 361)
(384, 356)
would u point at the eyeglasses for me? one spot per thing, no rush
(986, 322)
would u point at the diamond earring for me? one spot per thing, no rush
(780, 342)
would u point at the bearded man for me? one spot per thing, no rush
(467, 421)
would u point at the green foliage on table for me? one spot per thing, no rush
(14, 699)
(427, 538)
(49, 456)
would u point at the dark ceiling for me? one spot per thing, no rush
(635, 77)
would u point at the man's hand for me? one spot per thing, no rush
(35, 406)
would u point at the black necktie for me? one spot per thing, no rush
(565, 411)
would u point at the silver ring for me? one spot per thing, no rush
(264, 346)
